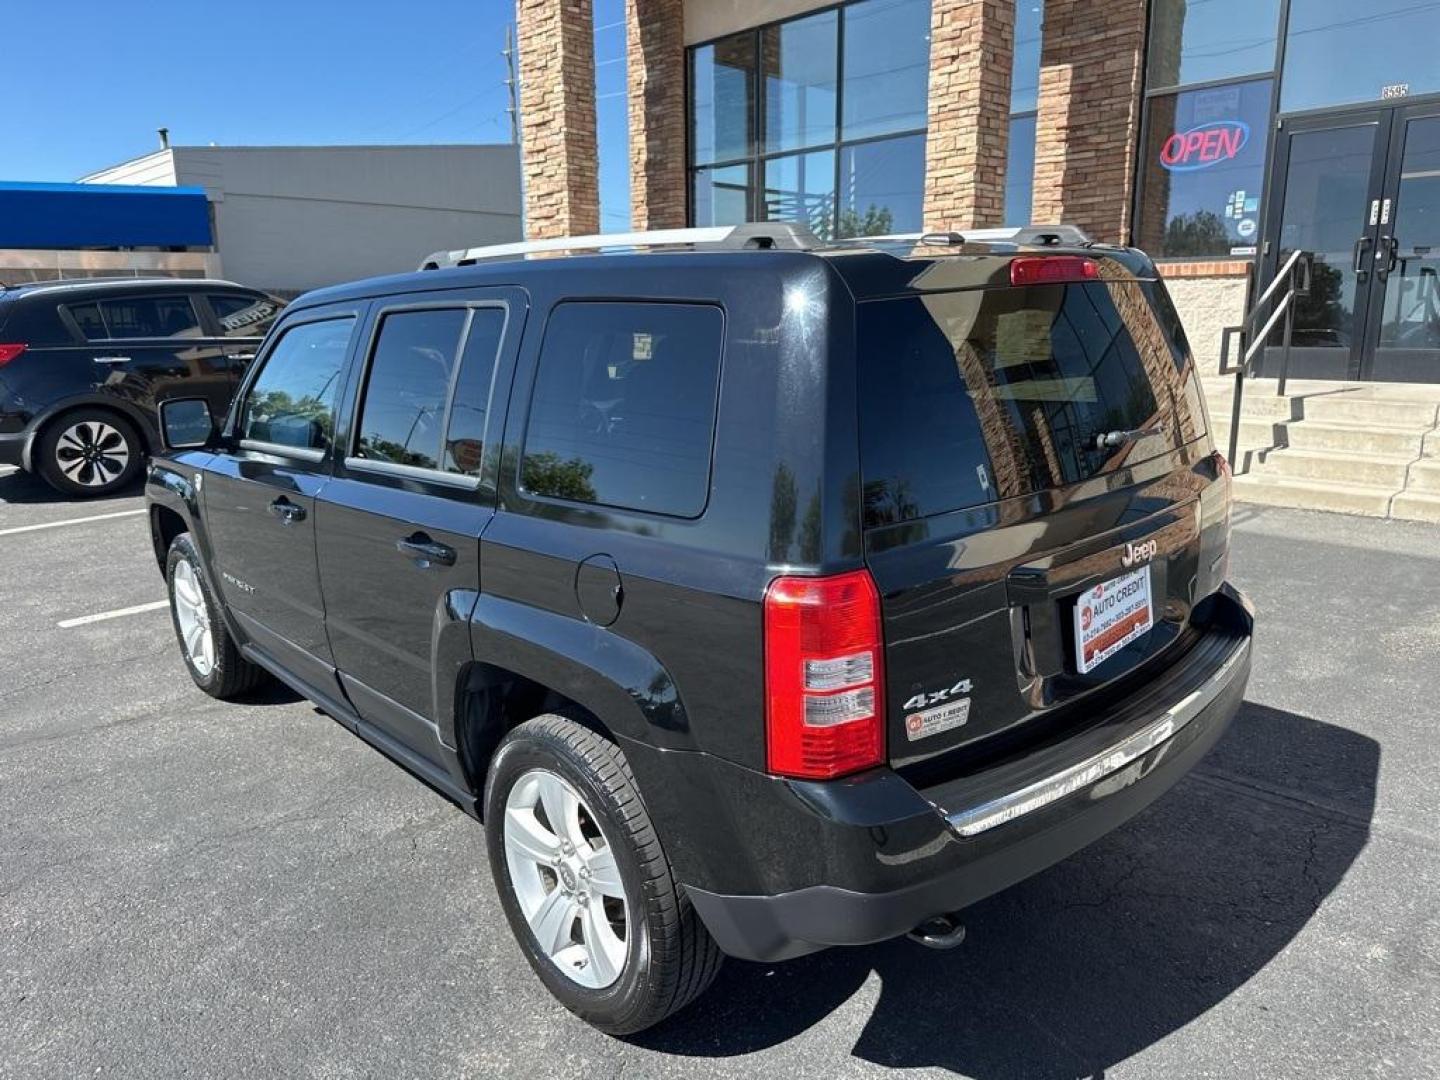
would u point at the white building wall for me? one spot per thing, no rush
(1206, 306)
(298, 218)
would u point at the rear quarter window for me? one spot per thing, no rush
(976, 396)
(623, 409)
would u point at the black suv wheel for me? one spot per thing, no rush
(585, 883)
(88, 452)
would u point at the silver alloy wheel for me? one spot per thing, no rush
(92, 453)
(193, 615)
(565, 877)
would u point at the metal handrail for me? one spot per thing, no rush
(1297, 273)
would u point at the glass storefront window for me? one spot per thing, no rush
(1020, 170)
(721, 195)
(801, 187)
(882, 188)
(887, 67)
(1202, 171)
(767, 137)
(1195, 41)
(1025, 72)
(799, 61)
(722, 96)
(1338, 52)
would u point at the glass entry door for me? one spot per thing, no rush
(1407, 307)
(1362, 192)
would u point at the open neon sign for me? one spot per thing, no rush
(1201, 147)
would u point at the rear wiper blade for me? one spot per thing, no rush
(1107, 439)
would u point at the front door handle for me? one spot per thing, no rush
(286, 511)
(1361, 246)
(240, 357)
(424, 551)
(112, 359)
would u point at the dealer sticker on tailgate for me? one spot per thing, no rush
(1110, 616)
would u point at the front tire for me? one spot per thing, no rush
(584, 882)
(211, 655)
(89, 453)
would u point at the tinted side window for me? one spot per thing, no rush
(292, 402)
(464, 437)
(149, 317)
(623, 411)
(87, 317)
(244, 316)
(403, 414)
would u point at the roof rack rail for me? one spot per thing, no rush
(767, 235)
(1028, 235)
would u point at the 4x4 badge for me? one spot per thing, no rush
(935, 697)
(1139, 553)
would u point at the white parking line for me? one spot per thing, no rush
(66, 624)
(70, 521)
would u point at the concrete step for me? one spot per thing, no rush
(1272, 490)
(1425, 477)
(1377, 412)
(1254, 406)
(1431, 447)
(1416, 506)
(1371, 470)
(1352, 438)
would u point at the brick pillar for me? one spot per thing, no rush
(557, 112)
(655, 50)
(971, 48)
(1091, 59)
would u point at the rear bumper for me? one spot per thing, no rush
(948, 846)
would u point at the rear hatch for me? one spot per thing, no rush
(1034, 460)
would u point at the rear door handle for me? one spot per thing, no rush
(425, 551)
(112, 359)
(286, 511)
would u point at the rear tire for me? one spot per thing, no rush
(210, 654)
(668, 956)
(89, 453)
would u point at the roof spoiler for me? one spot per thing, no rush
(765, 235)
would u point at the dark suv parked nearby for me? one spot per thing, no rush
(84, 363)
(759, 595)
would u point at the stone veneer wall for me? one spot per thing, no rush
(1091, 61)
(1209, 297)
(655, 46)
(557, 110)
(971, 46)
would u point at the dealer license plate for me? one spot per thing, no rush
(1110, 616)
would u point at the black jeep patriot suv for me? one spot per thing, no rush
(758, 594)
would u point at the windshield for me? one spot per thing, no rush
(970, 397)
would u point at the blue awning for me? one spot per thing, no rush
(102, 215)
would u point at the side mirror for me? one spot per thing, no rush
(186, 423)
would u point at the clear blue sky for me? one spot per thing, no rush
(87, 82)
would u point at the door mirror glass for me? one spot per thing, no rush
(186, 423)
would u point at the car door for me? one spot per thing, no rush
(151, 346)
(260, 491)
(399, 524)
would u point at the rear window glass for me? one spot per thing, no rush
(970, 397)
(623, 411)
(137, 317)
(244, 316)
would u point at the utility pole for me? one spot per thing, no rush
(512, 83)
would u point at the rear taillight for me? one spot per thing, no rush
(824, 678)
(10, 352)
(1053, 270)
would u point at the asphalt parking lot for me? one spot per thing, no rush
(189, 888)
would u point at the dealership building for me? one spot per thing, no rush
(1219, 135)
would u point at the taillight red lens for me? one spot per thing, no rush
(10, 352)
(1053, 270)
(824, 678)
